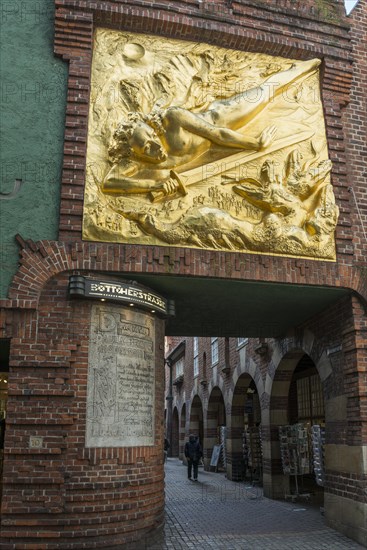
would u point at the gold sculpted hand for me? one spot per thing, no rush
(170, 186)
(267, 136)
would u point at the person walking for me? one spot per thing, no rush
(193, 453)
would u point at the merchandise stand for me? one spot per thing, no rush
(318, 443)
(294, 450)
(252, 453)
(223, 441)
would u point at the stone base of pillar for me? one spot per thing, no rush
(347, 516)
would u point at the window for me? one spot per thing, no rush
(303, 398)
(241, 341)
(317, 397)
(310, 398)
(196, 357)
(214, 349)
(179, 367)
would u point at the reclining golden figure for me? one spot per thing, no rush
(146, 148)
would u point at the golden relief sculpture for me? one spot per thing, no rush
(198, 146)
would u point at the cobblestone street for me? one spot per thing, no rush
(219, 514)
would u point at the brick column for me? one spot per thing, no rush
(70, 477)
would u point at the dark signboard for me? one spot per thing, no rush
(128, 293)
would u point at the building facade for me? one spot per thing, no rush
(182, 168)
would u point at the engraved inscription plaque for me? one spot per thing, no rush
(121, 378)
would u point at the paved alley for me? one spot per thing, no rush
(218, 514)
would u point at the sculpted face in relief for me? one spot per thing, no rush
(204, 147)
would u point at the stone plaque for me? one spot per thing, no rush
(121, 378)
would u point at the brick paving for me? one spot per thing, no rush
(218, 514)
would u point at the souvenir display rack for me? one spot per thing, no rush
(252, 452)
(295, 453)
(318, 445)
(223, 440)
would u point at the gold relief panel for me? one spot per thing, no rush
(198, 146)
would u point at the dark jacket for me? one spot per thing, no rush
(193, 449)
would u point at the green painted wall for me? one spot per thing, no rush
(33, 99)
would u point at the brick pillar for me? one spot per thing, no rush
(346, 434)
(196, 420)
(84, 442)
(235, 425)
(211, 436)
(182, 434)
(175, 434)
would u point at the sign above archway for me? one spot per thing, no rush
(198, 146)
